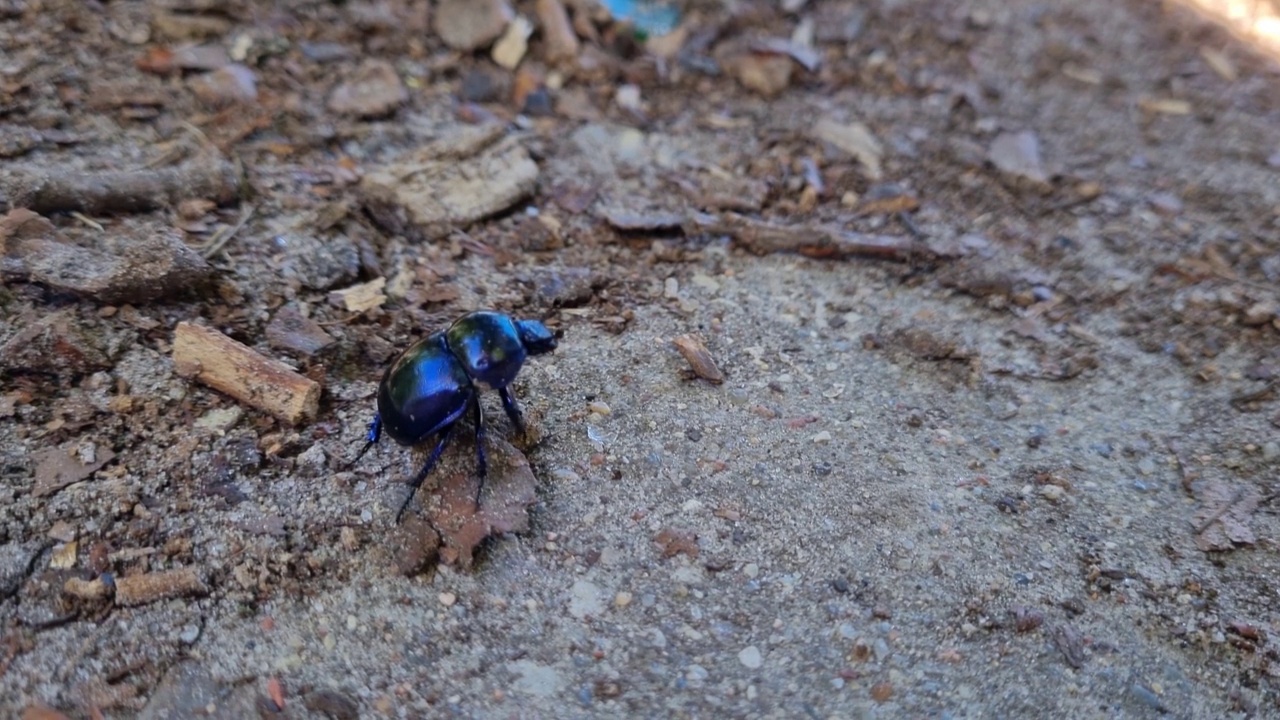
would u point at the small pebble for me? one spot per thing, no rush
(622, 599)
(822, 437)
(447, 599)
(696, 673)
(1052, 493)
(750, 657)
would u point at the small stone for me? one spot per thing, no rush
(763, 73)
(751, 570)
(822, 438)
(233, 84)
(696, 673)
(1018, 154)
(750, 657)
(1146, 466)
(514, 43)
(881, 692)
(1165, 203)
(622, 599)
(1260, 313)
(628, 98)
(584, 600)
(374, 91)
(469, 25)
(447, 599)
(1053, 493)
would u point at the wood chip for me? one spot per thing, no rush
(362, 297)
(699, 358)
(1219, 63)
(241, 372)
(150, 587)
(1165, 106)
(514, 43)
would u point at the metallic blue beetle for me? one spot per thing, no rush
(431, 384)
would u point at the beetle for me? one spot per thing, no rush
(430, 385)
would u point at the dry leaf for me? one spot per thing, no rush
(509, 490)
(59, 467)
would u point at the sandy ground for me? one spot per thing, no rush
(1034, 477)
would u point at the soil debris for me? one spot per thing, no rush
(134, 590)
(1017, 154)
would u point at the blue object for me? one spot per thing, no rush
(434, 381)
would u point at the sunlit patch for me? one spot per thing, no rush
(1256, 22)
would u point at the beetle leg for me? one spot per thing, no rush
(513, 408)
(481, 461)
(426, 469)
(371, 438)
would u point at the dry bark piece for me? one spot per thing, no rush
(471, 24)
(241, 372)
(59, 467)
(150, 587)
(134, 264)
(120, 191)
(375, 91)
(450, 183)
(699, 358)
(509, 490)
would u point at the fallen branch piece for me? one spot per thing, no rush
(120, 191)
(815, 241)
(150, 587)
(241, 372)
(135, 263)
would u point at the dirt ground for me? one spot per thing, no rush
(992, 286)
